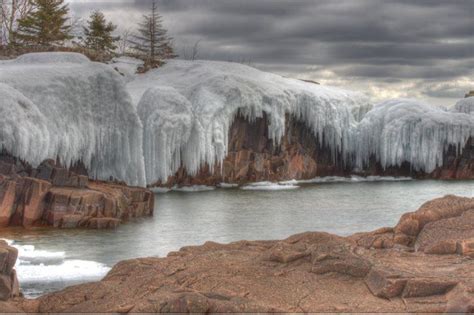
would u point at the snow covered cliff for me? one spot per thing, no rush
(144, 128)
(187, 109)
(62, 105)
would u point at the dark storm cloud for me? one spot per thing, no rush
(371, 40)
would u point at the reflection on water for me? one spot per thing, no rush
(223, 216)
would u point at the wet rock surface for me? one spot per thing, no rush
(51, 195)
(388, 270)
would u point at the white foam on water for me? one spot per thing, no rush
(191, 189)
(28, 255)
(38, 266)
(68, 270)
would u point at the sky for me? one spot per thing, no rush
(386, 48)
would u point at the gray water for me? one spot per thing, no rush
(63, 257)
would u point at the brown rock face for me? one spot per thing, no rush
(309, 272)
(9, 287)
(254, 157)
(54, 196)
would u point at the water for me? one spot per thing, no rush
(52, 259)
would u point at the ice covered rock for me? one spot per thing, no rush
(206, 97)
(465, 105)
(188, 109)
(404, 130)
(167, 128)
(62, 105)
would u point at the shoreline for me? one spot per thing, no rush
(370, 265)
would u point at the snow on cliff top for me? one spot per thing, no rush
(52, 58)
(466, 105)
(187, 109)
(61, 104)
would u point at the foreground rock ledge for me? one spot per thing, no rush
(424, 264)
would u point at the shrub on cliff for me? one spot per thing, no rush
(46, 24)
(98, 34)
(152, 43)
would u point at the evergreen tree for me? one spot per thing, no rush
(98, 34)
(152, 42)
(45, 25)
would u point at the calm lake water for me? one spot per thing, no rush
(53, 259)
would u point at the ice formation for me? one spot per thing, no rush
(187, 109)
(62, 105)
(466, 105)
(351, 179)
(193, 189)
(404, 130)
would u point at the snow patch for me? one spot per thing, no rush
(192, 189)
(160, 190)
(52, 57)
(126, 66)
(270, 186)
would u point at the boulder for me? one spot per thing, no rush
(465, 247)
(385, 283)
(7, 200)
(9, 287)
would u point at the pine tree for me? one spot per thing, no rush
(152, 42)
(98, 34)
(45, 25)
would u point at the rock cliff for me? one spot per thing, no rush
(254, 157)
(51, 195)
(424, 264)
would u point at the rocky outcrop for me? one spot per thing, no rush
(51, 195)
(254, 157)
(9, 286)
(388, 270)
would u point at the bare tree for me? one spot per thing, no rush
(123, 45)
(195, 50)
(12, 11)
(191, 53)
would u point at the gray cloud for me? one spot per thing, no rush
(383, 46)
